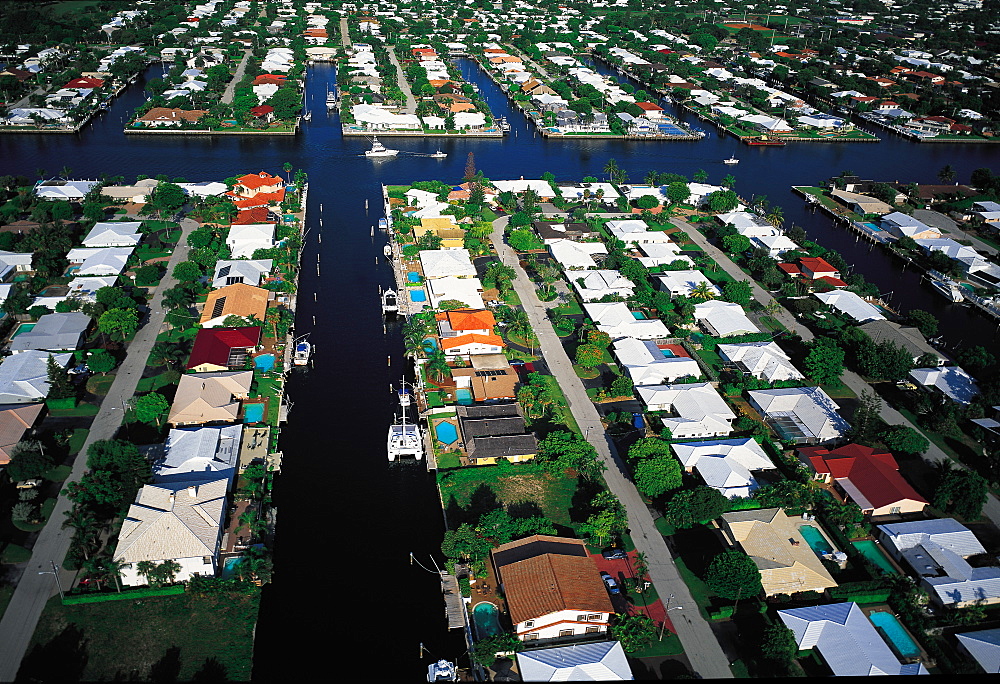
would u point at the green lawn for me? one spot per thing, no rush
(155, 382)
(699, 590)
(81, 410)
(100, 384)
(61, 472)
(772, 323)
(711, 359)
(180, 638)
(669, 646)
(47, 507)
(448, 460)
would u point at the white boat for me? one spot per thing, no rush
(302, 352)
(731, 160)
(380, 150)
(331, 100)
(439, 155)
(387, 250)
(308, 116)
(949, 288)
(405, 439)
(390, 302)
(442, 671)
(502, 123)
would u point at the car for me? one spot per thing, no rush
(610, 583)
(28, 484)
(614, 554)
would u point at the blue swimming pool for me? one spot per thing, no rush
(464, 396)
(264, 362)
(872, 552)
(895, 634)
(667, 353)
(253, 413)
(817, 542)
(418, 296)
(413, 277)
(430, 344)
(229, 567)
(638, 315)
(486, 618)
(446, 432)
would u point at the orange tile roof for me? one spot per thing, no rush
(259, 180)
(471, 319)
(239, 299)
(246, 217)
(451, 342)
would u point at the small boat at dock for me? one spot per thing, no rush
(948, 288)
(442, 671)
(404, 439)
(303, 350)
(387, 250)
(390, 302)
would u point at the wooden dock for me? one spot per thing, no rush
(454, 606)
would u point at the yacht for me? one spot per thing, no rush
(331, 100)
(731, 160)
(380, 150)
(302, 352)
(390, 302)
(308, 116)
(502, 123)
(404, 438)
(948, 288)
(387, 250)
(442, 671)
(439, 155)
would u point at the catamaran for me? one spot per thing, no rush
(405, 439)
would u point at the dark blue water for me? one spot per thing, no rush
(344, 589)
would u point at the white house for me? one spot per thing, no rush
(763, 360)
(984, 647)
(722, 319)
(951, 381)
(901, 225)
(636, 232)
(684, 283)
(24, 377)
(594, 285)
(472, 343)
(662, 253)
(106, 234)
(12, 263)
(573, 255)
(698, 410)
(244, 240)
(441, 263)
(232, 271)
(71, 190)
(603, 661)
(99, 261)
(539, 187)
(804, 415)
(850, 304)
(467, 290)
(647, 365)
(615, 319)
(726, 465)
(199, 453)
(53, 332)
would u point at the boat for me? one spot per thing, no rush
(380, 150)
(390, 302)
(731, 160)
(946, 286)
(404, 439)
(308, 116)
(331, 99)
(764, 141)
(302, 352)
(502, 123)
(387, 250)
(439, 155)
(442, 671)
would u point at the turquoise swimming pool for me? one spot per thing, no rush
(229, 567)
(464, 396)
(253, 413)
(264, 362)
(413, 277)
(638, 315)
(446, 432)
(418, 295)
(668, 353)
(486, 618)
(894, 632)
(872, 552)
(817, 542)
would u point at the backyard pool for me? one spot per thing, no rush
(464, 396)
(668, 353)
(446, 432)
(817, 542)
(229, 567)
(894, 632)
(418, 296)
(871, 551)
(413, 277)
(485, 617)
(638, 315)
(430, 344)
(23, 328)
(253, 413)
(264, 362)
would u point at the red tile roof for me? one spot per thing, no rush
(84, 82)
(830, 280)
(816, 265)
(212, 345)
(790, 269)
(874, 473)
(469, 319)
(262, 110)
(648, 107)
(472, 338)
(246, 217)
(259, 180)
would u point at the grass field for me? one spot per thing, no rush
(61, 9)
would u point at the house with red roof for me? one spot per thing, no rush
(253, 215)
(869, 477)
(222, 349)
(816, 269)
(252, 184)
(263, 112)
(465, 321)
(472, 343)
(270, 79)
(85, 83)
(650, 110)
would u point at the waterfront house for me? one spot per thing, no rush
(468, 291)
(16, 422)
(238, 299)
(575, 256)
(646, 363)
(615, 319)
(109, 234)
(176, 521)
(787, 564)
(861, 204)
(470, 344)
(603, 661)
(803, 415)
(68, 190)
(726, 465)
(495, 431)
(244, 240)
(452, 236)
(850, 304)
(53, 332)
(491, 378)
(203, 398)
(220, 349)
(901, 225)
(684, 283)
(460, 322)
(723, 319)
(99, 261)
(201, 453)
(906, 337)
(233, 271)
(951, 381)
(977, 266)
(988, 213)
(540, 187)
(598, 284)
(868, 477)
(983, 646)
(24, 377)
(817, 268)
(936, 550)
(636, 232)
(159, 117)
(441, 263)
(552, 588)
(693, 409)
(762, 360)
(253, 184)
(847, 641)
(137, 193)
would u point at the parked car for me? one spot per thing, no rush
(614, 554)
(610, 583)
(28, 484)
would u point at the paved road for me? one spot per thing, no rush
(700, 645)
(947, 225)
(227, 96)
(34, 590)
(411, 103)
(345, 36)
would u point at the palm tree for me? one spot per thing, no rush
(776, 217)
(700, 176)
(437, 365)
(703, 291)
(114, 567)
(611, 168)
(166, 354)
(65, 172)
(168, 570)
(177, 297)
(651, 178)
(287, 166)
(148, 570)
(947, 174)
(728, 181)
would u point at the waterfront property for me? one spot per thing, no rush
(496, 431)
(203, 398)
(604, 661)
(221, 349)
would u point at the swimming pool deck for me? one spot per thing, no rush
(400, 268)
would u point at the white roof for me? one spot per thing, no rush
(725, 464)
(594, 662)
(727, 318)
(951, 381)
(658, 253)
(56, 331)
(984, 646)
(850, 305)
(764, 360)
(810, 408)
(244, 240)
(683, 282)
(65, 190)
(99, 261)
(204, 189)
(647, 365)
(249, 270)
(576, 190)
(631, 231)
(541, 188)
(945, 532)
(469, 291)
(24, 377)
(439, 263)
(105, 234)
(199, 453)
(599, 283)
(617, 320)
(576, 255)
(699, 407)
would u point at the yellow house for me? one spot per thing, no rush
(452, 237)
(494, 432)
(787, 564)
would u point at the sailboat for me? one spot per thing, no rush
(380, 150)
(404, 438)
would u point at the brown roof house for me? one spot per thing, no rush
(553, 588)
(15, 421)
(238, 299)
(164, 116)
(490, 378)
(203, 398)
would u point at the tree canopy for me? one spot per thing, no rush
(733, 575)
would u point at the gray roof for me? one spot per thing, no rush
(200, 453)
(56, 331)
(984, 646)
(502, 446)
(24, 377)
(907, 337)
(601, 661)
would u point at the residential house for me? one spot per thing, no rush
(847, 641)
(951, 381)
(100, 261)
(983, 646)
(220, 349)
(460, 322)
(68, 190)
(603, 661)
(869, 477)
(787, 564)
(468, 291)
(817, 268)
(471, 344)
(174, 521)
(636, 232)
(861, 204)
(723, 319)
(233, 271)
(575, 256)
(597, 284)
(201, 453)
(977, 266)
(452, 236)
(906, 337)
(615, 319)
(656, 254)
(726, 465)
(552, 588)
(203, 398)
(988, 213)
(166, 116)
(695, 409)
(850, 304)
(901, 225)
(109, 234)
(441, 263)
(24, 377)
(685, 283)
(762, 360)
(646, 363)
(244, 240)
(238, 299)
(936, 550)
(82, 290)
(540, 187)
(13, 264)
(53, 332)
(495, 431)
(490, 378)
(16, 422)
(803, 415)
(253, 184)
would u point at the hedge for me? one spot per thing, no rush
(874, 591)
(61, 404)
(125, 595)
(722, 613)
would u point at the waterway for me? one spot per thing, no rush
(345, 594)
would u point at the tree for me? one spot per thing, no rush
(736, 244)
(786, 494)
(485, 650)
(960, 491)
(728, 181)
(947, 173)
(700, 176)
(733, 575)
(60, 386)
(722, 201)
(865, 422)
(286, 102)
(608, 519)
(693, 506)
(149, 408)
(167, 354)
(523, 240)
(561, 450)
(612, 169)
(825, 361)
(118, 323)
(187, 272)
(903, 439)
(925, 322)
(101, 362)
(738, 292)
(589, 356)
(28, 460)
(703, 290)
(778, 643)
(167, 198)
(647, 202)
(658, 475)
(635, 632)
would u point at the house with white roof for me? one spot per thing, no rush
(662, 254)
(540, 187)
(199, 453)
(646, 364)
(248, 271)
(846, 639)
(763, 360)
(615, 319)
(684, 283)
(177, 521)
(12, 263)
(71, 190)
(573, 255)
(109, 234)
(726, 465)
(850, 304)
(82, 289)
(951, 381)
(901, 225)
(937, 550)
(244, 240)
(53, 332)
(984, 647)
(441, 263)
(602, 661)
(722, 319)
(98, 261)
(968, 258)
(595, 285)
(636, 232)
(804, 415)
(696, 409)
(24, 377)
(463, 289)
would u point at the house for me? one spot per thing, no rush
(441, 263)
(201, 453)
(650, 110)
(538, 186)
(491, 378)
(575, 256)
(787, 564)
(232, 271)
(762, 360)
(845, 638)
(495, 431)
(636, 232)
(723, 319)
(220, 349)
(53, 332)
(138, 193)
(906, 337)
(460, 322)
(861, 204)
(238, 299)
(684, 283)
(936, 550)
(869, 477)
(14, 263)
(552, 587)
(244, 240)
(452, 237)
(951, 381)
(983, 646)
(109, 234)
(166, 116)
(850, 304)
(203, 398)
(647, 364)
(815, 268)
(468, 291)
(803, 415)
(662, 253)
(253, 184)
(597, 284)
(15, 422)
(100, 261)
(603, 661)
(725, 465)
(565, 230)
(471, 344)
(615, 319)
(901, 225)
(24, 377)
(174, 521)
(695, 409)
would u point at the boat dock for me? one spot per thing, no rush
(454, 606)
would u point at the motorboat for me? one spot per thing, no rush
(308, 116)
(380, 150)
(731, 160)
(502, 123)
(390, 302)
(387, 250)
(442, 671)
(946, 286)
(439, 155)
(404, 439)
(331, 100)
(302, 352)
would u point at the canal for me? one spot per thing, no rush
(344, 588)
